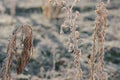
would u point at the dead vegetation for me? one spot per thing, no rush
(97, 56)
(96, 68)
(96, 61)
(26, 39)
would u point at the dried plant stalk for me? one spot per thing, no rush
(26, 41)
(74, 37)
(27, 48)
(98, 44)
(13, 7)
(69, 22)
(8, 62)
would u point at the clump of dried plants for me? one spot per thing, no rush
(97, 56)
(26, 43)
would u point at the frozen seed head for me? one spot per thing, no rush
(108, 1)
(64, 9)
(64, 25)
(77, 13)
(61, 31)
(78, 0)
(76, 34)
(50, 0)
(70, 47)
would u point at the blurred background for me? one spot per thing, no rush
(51, 59)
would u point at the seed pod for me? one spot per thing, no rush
(70, 47)
(76, 34)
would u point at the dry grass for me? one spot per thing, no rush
(26, 44)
